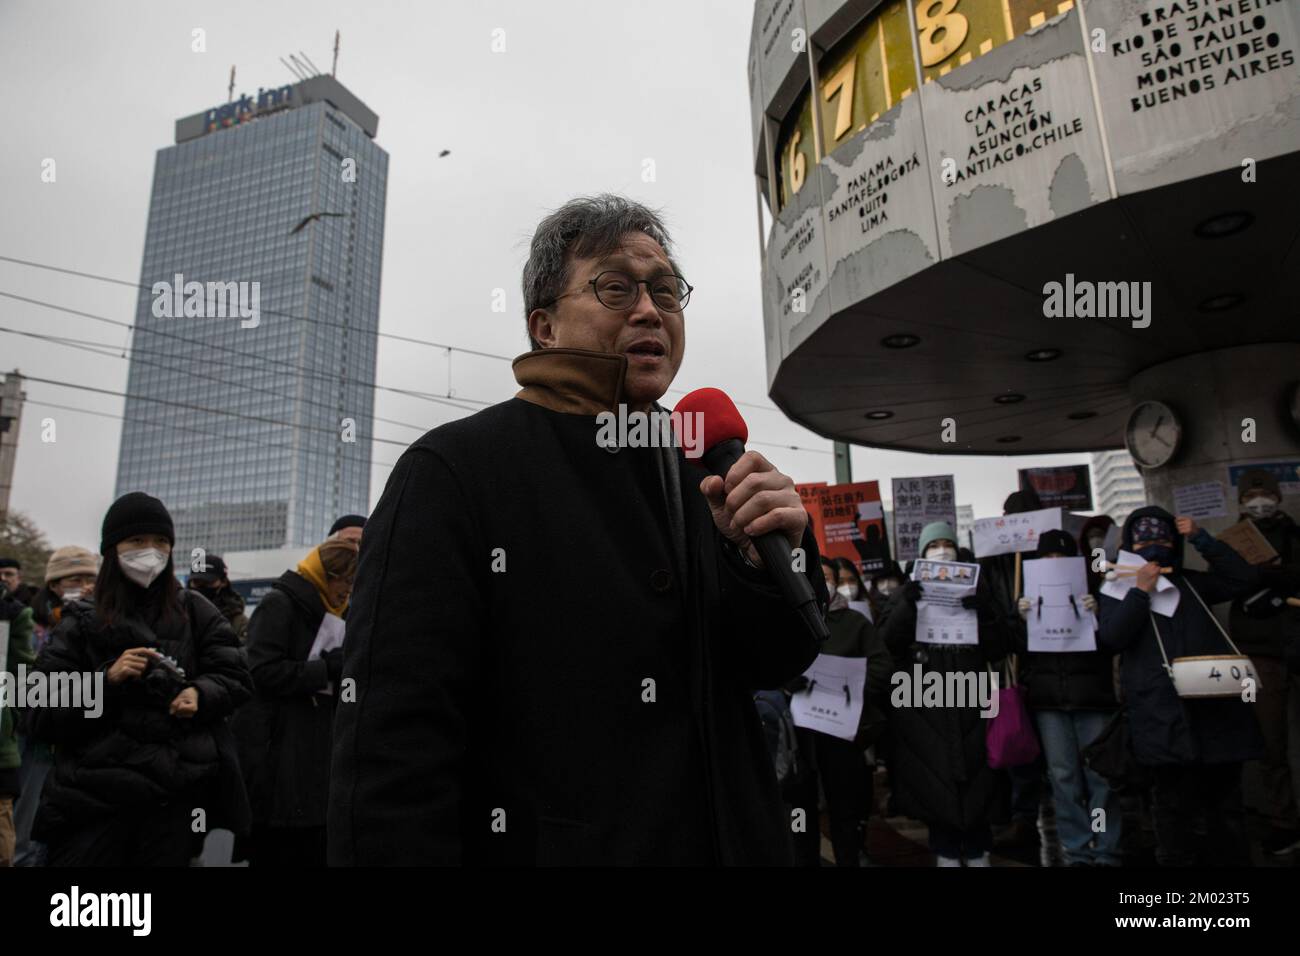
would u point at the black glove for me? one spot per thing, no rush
(972, 602)
(334, 663)
(912, 591)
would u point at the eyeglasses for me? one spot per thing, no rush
(618, 290)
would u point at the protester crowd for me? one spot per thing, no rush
(204, 719)
(214, 719)
(1123, 771)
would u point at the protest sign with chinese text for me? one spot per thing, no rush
(940, 617)
(1011, 533)
(918, 502)
(1058, 621)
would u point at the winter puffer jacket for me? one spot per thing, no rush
(1167, 729)
(135, 754)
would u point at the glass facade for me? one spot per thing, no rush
(1117, 484)
(240, 424)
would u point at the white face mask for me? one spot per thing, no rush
(142, 566)
(71, 594)
(1096, 541)
(1261, 507)
(849, 591)
(886, 588)
(942, 554)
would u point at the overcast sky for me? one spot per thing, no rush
(584, 92)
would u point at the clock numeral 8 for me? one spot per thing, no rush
(930, 22)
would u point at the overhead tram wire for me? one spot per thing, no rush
(286, 315)
(118, 351)
(211, 378)
(201, 408)
(243, 440)
(299, 318)
(101, 348)
(252, 356)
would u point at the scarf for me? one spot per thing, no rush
(313, 570)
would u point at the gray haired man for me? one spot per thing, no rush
(554, 643)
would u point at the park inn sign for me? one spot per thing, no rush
(245, 108)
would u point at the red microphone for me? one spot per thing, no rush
(722, 434)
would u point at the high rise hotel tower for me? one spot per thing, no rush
(250, 405)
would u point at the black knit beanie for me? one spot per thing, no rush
(135, 513)
(348, 521)
(1057, 542)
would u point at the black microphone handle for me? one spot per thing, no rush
(774, 549)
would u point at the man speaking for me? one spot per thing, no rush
(554, 642)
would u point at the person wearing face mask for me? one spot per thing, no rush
(1257, 623)
(848, 581)
(1194, 746)
(1072, 696)
(938, 765)
(70, 574)
(128, 775)
(884, 583)
(214, 585)
(1028, 790)
(285, 734)
(1092, 537)
(840, 763)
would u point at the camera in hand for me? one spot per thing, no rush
(164, 678)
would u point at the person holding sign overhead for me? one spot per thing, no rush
(1072, 695)
(1194, 745)
(938, 765)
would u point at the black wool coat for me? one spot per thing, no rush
(1074, 680)
(284, 733)
(939, 765)
(1166, 729)
(539, 681)
(135, 754)
(1266, 637)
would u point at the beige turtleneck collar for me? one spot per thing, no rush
(572, 381)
